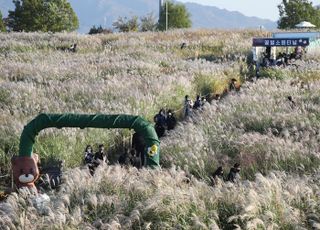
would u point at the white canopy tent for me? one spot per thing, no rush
(305, 24)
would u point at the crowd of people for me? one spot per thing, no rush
(164, 120)
(189, 105)
(282, 59)
(93, 160)
(134, 156)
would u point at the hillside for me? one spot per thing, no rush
(213, 17)
(275, 142)
(102, 12)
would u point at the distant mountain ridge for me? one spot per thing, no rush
(105, 12)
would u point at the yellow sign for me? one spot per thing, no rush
(152, 150)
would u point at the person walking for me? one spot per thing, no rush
(187, 106)
(171, 120)
(234, 174)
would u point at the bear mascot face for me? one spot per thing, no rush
(25, 170)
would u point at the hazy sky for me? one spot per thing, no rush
(260, 8)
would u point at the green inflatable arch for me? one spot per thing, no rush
(140, 125)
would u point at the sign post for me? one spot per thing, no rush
(269, 42)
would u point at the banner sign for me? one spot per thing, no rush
(280, 42)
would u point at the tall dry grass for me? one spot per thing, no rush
(276, 143)
(127, 198)
(117, 73)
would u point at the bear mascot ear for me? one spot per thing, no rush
(25, 170)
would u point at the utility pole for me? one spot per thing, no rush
(166, 15)
(160, 7)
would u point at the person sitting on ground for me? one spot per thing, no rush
(99, 156)
(234, 174)
(285, 59)
(280, 59)
(197, 103)
(171, 120)
(265, 60)
(50, 175)
(187, 106)
(217, 175)
(160, 120)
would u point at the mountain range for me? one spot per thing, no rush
(105, 12)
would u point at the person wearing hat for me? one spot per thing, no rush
(234, 173)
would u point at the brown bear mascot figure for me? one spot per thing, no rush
(25, 171)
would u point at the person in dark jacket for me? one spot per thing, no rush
(125, 158)
(291, 101)
(88, 155)
(217, 175)
(188, 104)
(234, 173)
(160, 120)
(139, 145)
(171, 120)
(89, 158)
(100, 155)
(232, 85)
(197, 103)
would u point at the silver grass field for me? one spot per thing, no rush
(277, 144)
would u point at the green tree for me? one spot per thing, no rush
(99, 30)
(42, 15)
(126, 25)
(294, 11)
(2, 26)
(148, 23)
(178, 16)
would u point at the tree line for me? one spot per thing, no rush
(58, 15)
(178, 17)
